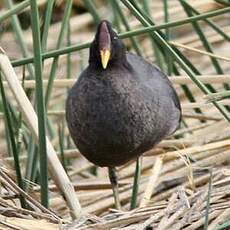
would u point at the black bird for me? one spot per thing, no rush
(121, 105)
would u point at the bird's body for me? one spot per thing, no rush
(117, 113)
(120, 107)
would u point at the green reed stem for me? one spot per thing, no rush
(127, 27)
(40, 103)
(48, 16)
(10, 125)
(20, 37)
(92, 9)
(128, 34)
(176, 57)
(14, 10)
(61, 36)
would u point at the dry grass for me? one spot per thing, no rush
(175, 175)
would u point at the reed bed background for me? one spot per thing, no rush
(185, 180)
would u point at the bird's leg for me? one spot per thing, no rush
(114, 183)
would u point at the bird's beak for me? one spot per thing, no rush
(105, 56)
(104, 44)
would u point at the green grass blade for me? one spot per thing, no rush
(68, 70)
(32, 162)
(203, 39)
(19, 134)
(128, 34)
(164, 52)
(127, 27)
(40, 103)
(166, 18)
(177, 58)
(45, 30)
(225, 2)
(54, 66)
(210, 23)
(20, 37)
(116, 18)
(207, 46)
(224, 226)
(8, 141)
(92, 9)
(168, 59)
(61, 137)
(158, 52)
(12, 141)
(14, 10)
(218, 96)
(175, 23)
(167, 37)
(48, 16)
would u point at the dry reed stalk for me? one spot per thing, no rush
(169, 209)
(194, 42)
(223, 181)
(80, 169)
(100, 204)
(172, 166)
(65, 83)
(201, 117)
(197, 149)
(55, 167)
(225, 215)
(97, 198)
(200, 222)
(185, 108)
(171, 220)
(175, 144)
(32, 213)
(213, 200)
(197, 207)
(200, 51)
(19, 223)
(201, 180)
(175, 165)
(118, 222)
(17, 189)
(152, 183)
(213, 161)
(210, 133)
(190, 129)
(69, 153)
(181, 222)
(154, 152)
(129, 169)
(96, 184)
(8, 225)
(202, 104)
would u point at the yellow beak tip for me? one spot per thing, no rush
(105, 56)
(104, 65)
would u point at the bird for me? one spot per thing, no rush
(120, 106)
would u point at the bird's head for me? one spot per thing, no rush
(106, 47)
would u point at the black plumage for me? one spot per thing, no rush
(114, 114)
